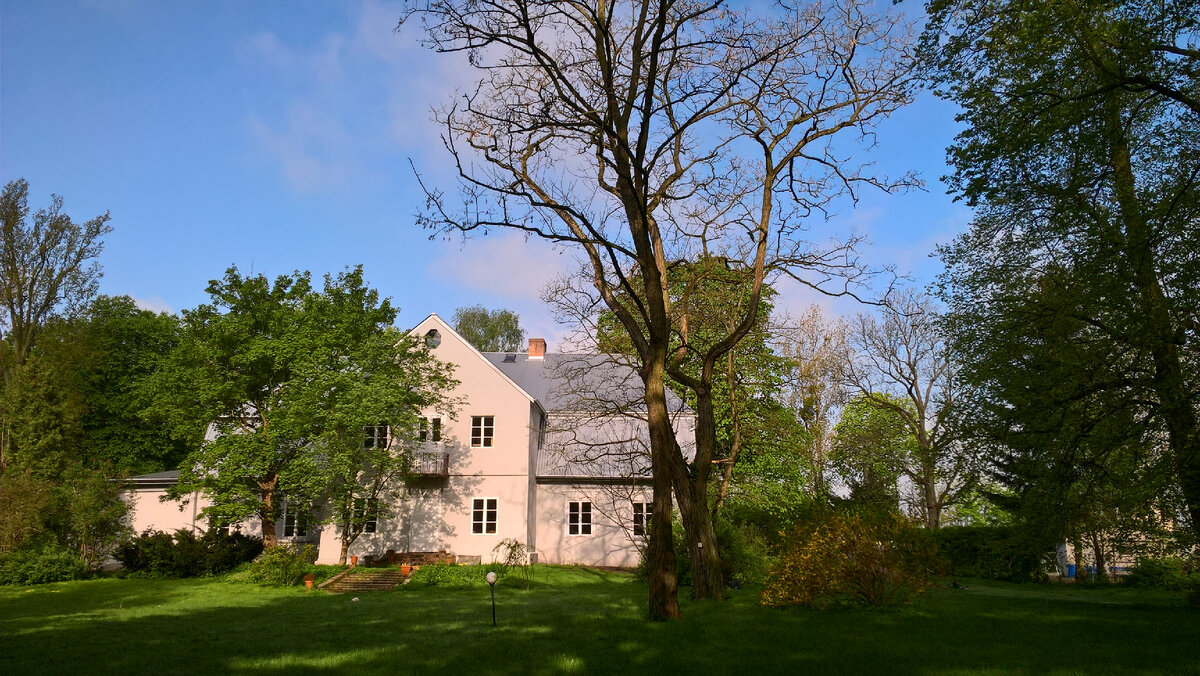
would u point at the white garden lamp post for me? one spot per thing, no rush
(491, 580)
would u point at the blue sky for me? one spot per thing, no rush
(277, 136)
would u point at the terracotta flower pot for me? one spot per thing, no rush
(405, 569)
(353, 560)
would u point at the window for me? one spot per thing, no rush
(482, 427)
(641, 518)
(579, 518)
(366, 512)
(431, 429)
(375, 436)
(295, 521)
(433, 338)
(483, 515)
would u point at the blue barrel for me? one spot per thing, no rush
(1071, 570)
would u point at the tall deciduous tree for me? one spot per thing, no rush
(489, 330)
(902, 364)
(649, 132)
(815, 352)
(47, 267)
(1080, 157)
(272, 369)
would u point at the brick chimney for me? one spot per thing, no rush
(537, 348)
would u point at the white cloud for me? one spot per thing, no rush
(314, 150)
(153, 304)
(503, 264)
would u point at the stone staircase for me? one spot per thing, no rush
(362, 579)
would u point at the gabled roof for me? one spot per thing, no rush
(580, 383)
(444, 327)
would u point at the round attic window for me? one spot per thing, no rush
(433, 339)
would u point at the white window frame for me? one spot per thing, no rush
(430, 429)
(641, 518)
(372, 437)
(579, 518)
(483, 431)
(295, 521)
(480, 507)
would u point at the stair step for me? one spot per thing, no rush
(368, 580)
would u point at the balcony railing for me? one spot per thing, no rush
(436, 463)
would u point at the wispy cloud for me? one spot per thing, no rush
(153, 304)
(314, 150)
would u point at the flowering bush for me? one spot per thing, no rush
(848, 557)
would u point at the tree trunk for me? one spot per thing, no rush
(691, 491)
(660, 550)
(1098, 556)
(266, 513)
(1168, 381)
(735, 446)
(343, 551)
(933, 507)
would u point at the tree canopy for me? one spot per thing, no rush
(490, 330)
(1080, 274)
(282, 377)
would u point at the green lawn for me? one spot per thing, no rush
(580, 621)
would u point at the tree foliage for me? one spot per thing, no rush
(872, 449)
(47, 269)
(1075, 289)
(490, 330)
(282, 377)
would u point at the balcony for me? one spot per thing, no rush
(431, 464)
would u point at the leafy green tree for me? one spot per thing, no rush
(1079, 157)
(47, 269)
(45, 402)
(125, 345)
(370, 419)
(264, 368)
(873, 447)
(490, 330)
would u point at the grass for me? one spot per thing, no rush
(576, 620)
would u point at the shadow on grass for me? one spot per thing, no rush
(593, 626)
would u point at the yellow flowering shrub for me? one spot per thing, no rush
(847, 557)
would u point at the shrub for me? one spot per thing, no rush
(281, 565)
(158, 554)
(512, 554)
(743, 548)
(454, 576)
(744, 551)
(848, 557)
(1169, 573)
(993, 552)
(40, 564)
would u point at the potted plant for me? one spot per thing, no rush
(353, 561)
(406, 569)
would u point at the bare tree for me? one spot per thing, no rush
(816, 353)
(647, 133)
(906, 355)
(47, 267)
